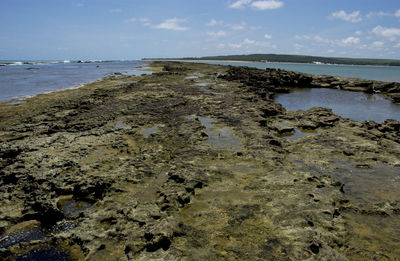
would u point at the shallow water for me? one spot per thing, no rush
(377, 73)
(48, 254)
(19, 81)
(154, 129)
(221, 138)
(73, 207)
(23, 235)
(354, 105)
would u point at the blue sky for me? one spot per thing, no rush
(133, 29)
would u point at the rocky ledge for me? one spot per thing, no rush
(197, 162)
(276, 80)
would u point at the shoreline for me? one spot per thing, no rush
(141, 68)
(298, 63)
(196, 157)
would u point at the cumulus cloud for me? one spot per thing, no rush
(249, 44)
(267, 4)
(302, 37)
(353, 17)
(359, 32)
(217, 34)
(212, 22)
(173, 24)
(297, 46)
(320, 39)
(351, 40)
(267, 36)
(378, 44)
(239, 4)
(390, 33)
(248, 41)
(237, 26)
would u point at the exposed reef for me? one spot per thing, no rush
(197, 162)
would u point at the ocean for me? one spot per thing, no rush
(19, 79)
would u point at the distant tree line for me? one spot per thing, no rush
(295, 59)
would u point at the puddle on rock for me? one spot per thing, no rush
(299, 133)
(202, 84)
(16, 103)
(71, 207)
(374, 190)
(214, 93)
(120, 124)
(221, 138)
(287, 132)
(192, 77)
(28, 233)
(155, 129)
(63, 226)
(366, 186)
(354, 105)
(44, 254)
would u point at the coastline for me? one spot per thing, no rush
(40, 83)
(195, 156)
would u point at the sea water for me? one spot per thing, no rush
(377, 73)
(354, 105)
(27, 78)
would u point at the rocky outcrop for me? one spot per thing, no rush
(271, 81)
(128, 168)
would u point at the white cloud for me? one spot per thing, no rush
(397, 45)
(237, 26)
(236, 46)
(267, 36)
(380, 13)
(320, 39)
(172, 24)
(115, 10)
(386, 32)
(353, 17)
(397, 14)
(212, 22)
(302, 37)
(297, 46)
(331, 51)
(239, 4)
(378, 44)
(351, 40)
(358, 32)
(267, 4)
(248, 41)
(217, 34)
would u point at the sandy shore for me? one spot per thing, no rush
(197, 162)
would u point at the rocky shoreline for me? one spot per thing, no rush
(197, 162)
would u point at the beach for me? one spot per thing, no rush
(198, 162)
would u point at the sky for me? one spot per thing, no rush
(135, 29)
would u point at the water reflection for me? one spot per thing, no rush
(354, 105)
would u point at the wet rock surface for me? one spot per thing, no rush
(158, 167)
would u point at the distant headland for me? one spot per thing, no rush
(287, 58)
